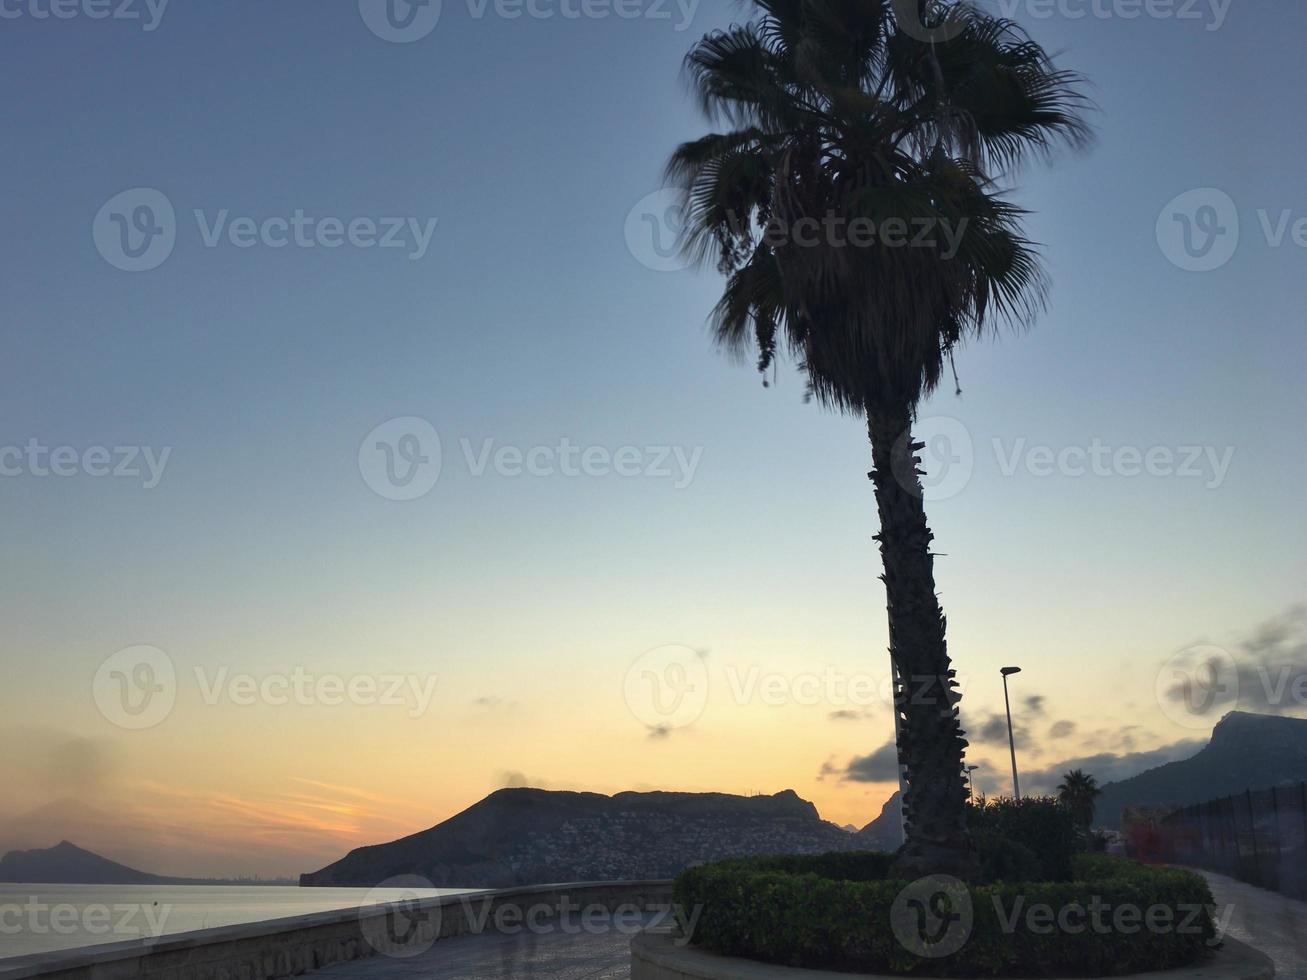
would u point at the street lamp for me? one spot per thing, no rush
(971, 783)
(1011, 742)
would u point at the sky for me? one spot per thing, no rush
(364, 451)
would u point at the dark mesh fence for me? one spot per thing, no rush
(1260, 838)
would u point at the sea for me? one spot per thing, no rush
(44, 918)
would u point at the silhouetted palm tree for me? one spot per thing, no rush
(1078, 793)
(843, 120)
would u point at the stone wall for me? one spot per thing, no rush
(295, 946)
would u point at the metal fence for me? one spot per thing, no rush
(1260, 838)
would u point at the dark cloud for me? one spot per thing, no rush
(1035, 704)
(881, 766)
(660, 731)
(850, 714)
(990, 728)
(1061, 729)
(1266, 672)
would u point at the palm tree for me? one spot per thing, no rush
(844, 116)
(1078, 793)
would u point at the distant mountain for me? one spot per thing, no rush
(885, 833)
(1246, 752)
(534, 836)
(67, 863)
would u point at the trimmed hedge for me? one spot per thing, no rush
(1041, 824)
(784, 910)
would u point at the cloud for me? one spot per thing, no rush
(881, 766)
(1061, 729)
(658, 732)
(1265, 672)
(850, 714)
(512, 779)
(1035, 704)
(990, 728)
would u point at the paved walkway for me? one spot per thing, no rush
(1267, 920)
(492, 956)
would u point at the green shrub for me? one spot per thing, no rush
(840, 866)
(1006, 860)
(783, 910)
(1039, 823)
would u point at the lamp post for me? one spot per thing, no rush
(971, 783)
(1011, 742)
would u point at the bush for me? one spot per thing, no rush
(1006, 860)
(1039, 823)
(785, 910)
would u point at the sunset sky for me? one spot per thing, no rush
(731, 520)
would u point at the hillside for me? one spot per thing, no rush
(533, 836)
(885, 833)
(1246, 751)
(67, 863)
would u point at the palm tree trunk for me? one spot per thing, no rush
(930, 741)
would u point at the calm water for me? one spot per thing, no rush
(40, 918)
